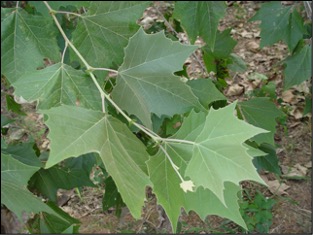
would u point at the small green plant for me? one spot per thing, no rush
(257, 212)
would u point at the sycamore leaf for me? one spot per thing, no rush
(14, 193)
(200, 18)
(103, 32)
(254, 112)
(56, 85)
(268, 162)
(146, 83)
(172, 197)
(75, 131)
(206, 91)
(279, 23)
(211, 153)
(298, 68)
(222, 49)
(55, 5)
(218, 154)
(74, 173)
(25, 41)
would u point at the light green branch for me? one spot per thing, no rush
(89, 69)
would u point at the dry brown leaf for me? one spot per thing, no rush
(288, 96)
(275, 186)
(235, 90)
(308, 165)
(246, 34)
(296, 113)
(252, 46)
(295, 172)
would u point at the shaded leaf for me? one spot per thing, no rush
(146, 83)
(206, 91)
(237, 64)
(279, 23)
(75, 173)
(261, 112)
(200, 18)
(25, 41)
(75, 131)
(23, 152)
(46, 223)
(299, 66)
(13, 106)
(56, 5)
(112, 198)
(222, 49)
(14, 193)
(269, 162)
(57, 85)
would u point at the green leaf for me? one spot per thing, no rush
(46, 223)
(211, 152)
(75, 173)
(268, 162)
(14, 194)
(279, 23)
(261, 112)
(222, 49)
(237, 64)
(112, 198)
(298, 68)
(75, 131)
(206, 91)
(13, 106)
(146, 83)
(25, 41)
(5, 120)
(57, 85)
(223, 45)
(218, 152)
(56, 5)
(173, 198)
(200, 18)
(23, 152)
(103, 32)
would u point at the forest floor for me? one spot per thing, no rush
(292, 209)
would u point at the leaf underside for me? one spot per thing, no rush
(75, 131)
(216, 162)
(146, 83)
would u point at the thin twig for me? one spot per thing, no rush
(63, 54)
(68, 13)
(156, 138)
(172, 163)
(105, 69)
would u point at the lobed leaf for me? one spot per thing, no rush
(57, 85)
(103, 31)
(279, 22)
(200, 18)
(146, 83)
(298, 68)
(25, 41)
(14, 193)
(261, 112)
(219, 155)
(75, 131)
